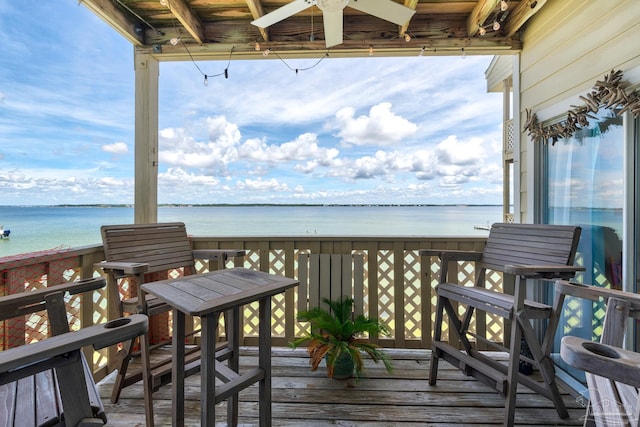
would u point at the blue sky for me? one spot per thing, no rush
(371, 130)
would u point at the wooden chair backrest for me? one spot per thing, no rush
(529, 244)
(330, 276)
(164, 246)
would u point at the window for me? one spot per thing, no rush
(585, 186)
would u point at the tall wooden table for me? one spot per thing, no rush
(207, 296)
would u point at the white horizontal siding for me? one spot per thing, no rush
(567, 46)
(570, 44)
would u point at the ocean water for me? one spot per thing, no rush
(41, 228)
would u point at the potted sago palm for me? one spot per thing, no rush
(338, 336)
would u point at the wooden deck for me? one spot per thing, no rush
(309, 399)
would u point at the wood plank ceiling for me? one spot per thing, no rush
(211, 29)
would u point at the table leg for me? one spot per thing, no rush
(208, 369)
(264, 362)
(177, 370)
(233, 341)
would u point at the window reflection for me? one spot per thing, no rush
(585, 187)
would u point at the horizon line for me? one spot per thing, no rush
(129, 205)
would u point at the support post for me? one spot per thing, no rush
(146, 138)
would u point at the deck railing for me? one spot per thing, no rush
(398, 284)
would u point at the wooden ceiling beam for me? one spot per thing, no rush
(348, 49)
(521, 14)
(255, 6)
(479, 14)
(124, 24)
(446, 7)
(411, 4)
(187, 18)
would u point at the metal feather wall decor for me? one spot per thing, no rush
(611, 92)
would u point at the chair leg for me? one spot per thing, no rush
(147, 381)
(512, 375)
(123, 363)
(542, 359)
(437, 336)
(232, 323)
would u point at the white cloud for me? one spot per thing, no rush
(178, 177)
(380, 128)
(262, 185)
(304, 147)
(179, 148)
(452, 151)
(39, 187)
(116, 148)
(424, 164)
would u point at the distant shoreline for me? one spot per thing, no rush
(197, 205)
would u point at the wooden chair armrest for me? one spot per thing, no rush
(122, 268)
(36, 357)
(595, 293)
(452, 254)
(214, 254)
(604, 360)
(22, 303)
(543, 271)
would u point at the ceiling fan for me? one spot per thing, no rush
(332, 15)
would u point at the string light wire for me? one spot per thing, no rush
(326, 55)
(224, 73)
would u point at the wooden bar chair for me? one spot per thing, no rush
(143, 252)
(524, 252)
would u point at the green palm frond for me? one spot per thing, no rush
(337, 331)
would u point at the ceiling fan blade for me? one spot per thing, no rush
(384, 9)
(333, 22)
(281, 13)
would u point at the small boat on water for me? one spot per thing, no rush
(4, 234)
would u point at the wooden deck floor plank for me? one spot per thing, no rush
(310, 399)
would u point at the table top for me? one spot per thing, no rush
(216, 291)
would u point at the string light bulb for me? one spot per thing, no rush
(164, 2)
(370, 50)
(407, 37)
(503, 5)
(174, 41)
(257, 47)
(464, 53)
(421, 51)
(482, 31)
(266, 52)
(206, 82)
(496, 26)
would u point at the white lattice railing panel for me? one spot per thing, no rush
(277, 261)
(494, 323)
(386, 290)
(412, 296)
(252, 260)
(365, 304)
